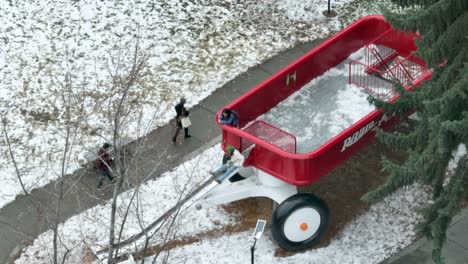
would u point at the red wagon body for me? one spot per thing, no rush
(306, 168)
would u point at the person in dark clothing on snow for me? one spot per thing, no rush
(104, 161)
(228, 117)
(181, 112)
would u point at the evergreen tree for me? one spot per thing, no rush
(442, 108)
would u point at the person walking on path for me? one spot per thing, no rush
(228, 117)
(104, 161)
(236, 160)
(181, 112)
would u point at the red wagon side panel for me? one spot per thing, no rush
(303, 169)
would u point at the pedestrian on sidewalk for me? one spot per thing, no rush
(181, 112)
(228, 117)
(104, 161)
(235, 160)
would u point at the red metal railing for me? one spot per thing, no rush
(383, 68)
(271, 134)
(381, 82)
(378, 56)
(412, 68)
(377, 52)
(373, 82)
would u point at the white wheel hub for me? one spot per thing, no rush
(302, 224)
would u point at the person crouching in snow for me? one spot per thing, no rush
(236, 160)
(104, 161)
(228, 117)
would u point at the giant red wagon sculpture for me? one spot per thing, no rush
(274, 167)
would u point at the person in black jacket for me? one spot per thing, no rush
(181, 112)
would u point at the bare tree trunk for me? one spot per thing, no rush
(12, 156)
(67, 102)
(124, 82)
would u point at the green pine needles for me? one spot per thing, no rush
(442, 108)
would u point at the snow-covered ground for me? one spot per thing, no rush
(375, 235)
(59, 53)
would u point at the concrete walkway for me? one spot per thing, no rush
(21, 222)
(455, 250)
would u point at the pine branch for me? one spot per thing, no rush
(439, 214)
(459, 127)
(420, 14)
(410, 3)
(398, 141)
(400, 176)
(408, 102)
(445, 76)
(442, 123)
(447, 43)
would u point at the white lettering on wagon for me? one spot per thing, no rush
(351, 140)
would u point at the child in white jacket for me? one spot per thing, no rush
(235, 162)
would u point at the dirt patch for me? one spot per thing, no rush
(248, 211)
(88, 257)
(332, 13)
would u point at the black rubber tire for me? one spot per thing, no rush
(289, 206)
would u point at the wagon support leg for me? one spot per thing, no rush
(260, 184)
